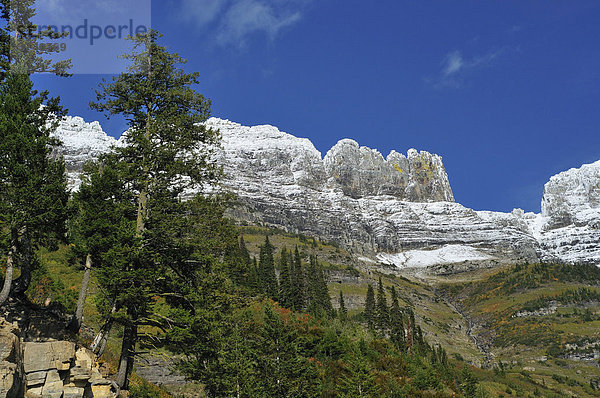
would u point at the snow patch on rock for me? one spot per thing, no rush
(449, 254)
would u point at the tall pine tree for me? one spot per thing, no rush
(32, 184)
(161, 159)
(396, 323)
(370, 307)
(285, 281)
(342, 312)
(298, 282)
(382, 315)
(319, 301)
(101, 210)
(266, 270)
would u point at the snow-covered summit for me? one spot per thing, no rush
(81, 142)
(265, 152)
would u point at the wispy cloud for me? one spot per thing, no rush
(455, 67)
(454, 63)
(234, 21)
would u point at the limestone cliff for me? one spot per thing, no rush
(398, 210)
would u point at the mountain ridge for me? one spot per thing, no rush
(398, 210)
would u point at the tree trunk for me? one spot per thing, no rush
(127, 355)
(75, 323)
(9, 276)
(130, 333)
(22, 282)
(99, 342)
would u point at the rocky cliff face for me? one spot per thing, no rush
(82, 142)
(569, 226)
(397, 210)
(263, 153)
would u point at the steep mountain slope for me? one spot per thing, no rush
(397, 210)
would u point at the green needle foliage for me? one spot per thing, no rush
(102, 217)
(318, 299)
(266, 270)
(32, 184)
(298, 281)
(382, 315)
(370, 307)
(167, 150)
(285, 282)
(397, 323)
(342, 312)
(25, 48)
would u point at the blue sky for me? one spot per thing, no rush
(508, 92)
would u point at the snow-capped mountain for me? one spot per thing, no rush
(398, 210)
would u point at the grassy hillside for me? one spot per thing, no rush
(474, 316)
(539, 321)
(535, 327)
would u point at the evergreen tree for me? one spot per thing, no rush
(102, 208)
(285, 282)
(396, 323)
(266, 270)
(370, 307)
(410, 328)
(244, 251)
(358, 379)
(32, 185)
(236, 258)
(33, 193)
(322, 290)
(160, 161)
(298, 282)
(253, 280)
(469, 383)
(343, 313)
(317, 292)
(24, 47)
(382, 316)
(202, 299)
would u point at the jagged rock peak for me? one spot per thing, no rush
(264, 151)
(362, 171)
(573, 197)
(569, 226)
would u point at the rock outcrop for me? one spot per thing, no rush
(48, 369)
(569, 226)
(11, 369)
(81, 142)
(263, 153)
(398, 210)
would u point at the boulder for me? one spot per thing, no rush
(48, 355)
(73, 392)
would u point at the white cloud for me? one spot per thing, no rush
(202, 12)
(248, 16)
(454, 63)
(233, 21)
(456, 67)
